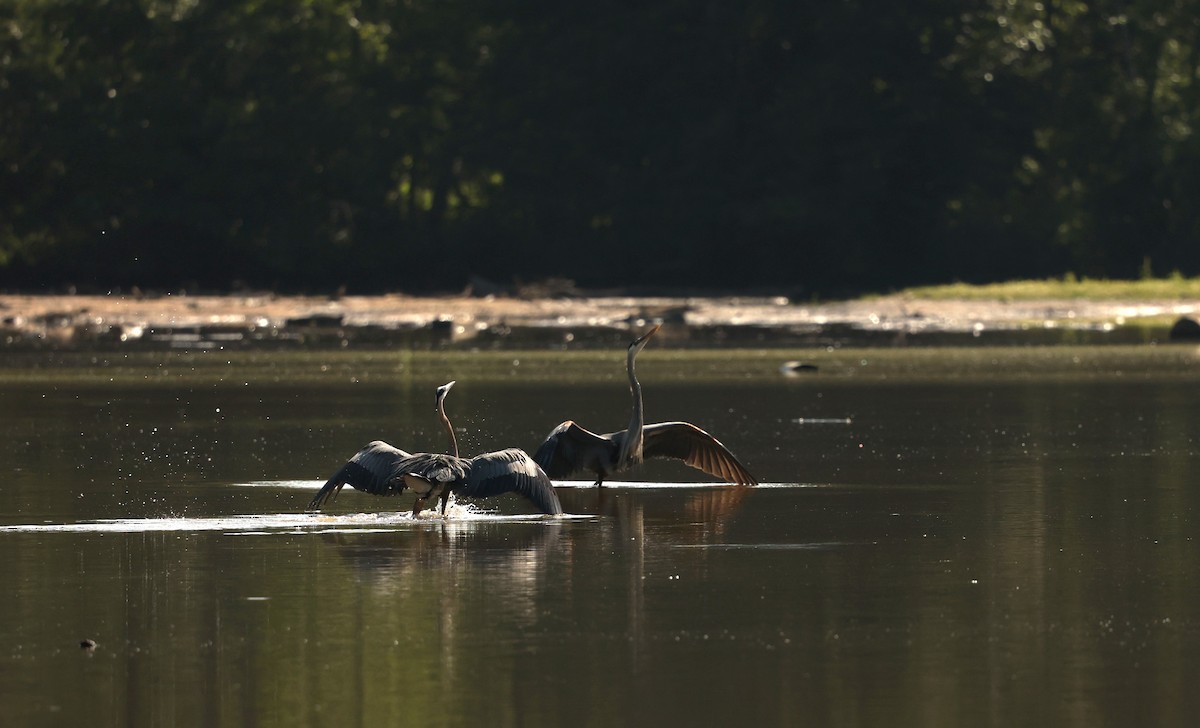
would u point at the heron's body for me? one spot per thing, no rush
(381, 469)
(570, 448)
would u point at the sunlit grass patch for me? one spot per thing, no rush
(1068, 287)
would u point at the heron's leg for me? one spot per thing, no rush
(445, 497)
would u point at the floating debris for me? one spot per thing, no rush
(1185, 329)
(798, 367)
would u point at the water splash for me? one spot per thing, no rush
(608, 484)
(651, 485)
(275, 523)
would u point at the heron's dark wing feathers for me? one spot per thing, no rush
(696, 448)
(510, 471)
(568, 449)
(372, 469)
(329, 491)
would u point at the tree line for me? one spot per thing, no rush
(410, 144)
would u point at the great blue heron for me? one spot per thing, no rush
(381, 469)
(570, 448)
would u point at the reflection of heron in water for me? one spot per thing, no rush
(702, 513)
(570, 448)
(381, 469)
(443, 580)
(513, 551)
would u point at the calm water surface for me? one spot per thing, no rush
(943, 538)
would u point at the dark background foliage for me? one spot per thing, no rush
(408, 144)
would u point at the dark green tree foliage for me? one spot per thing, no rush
(393, 144)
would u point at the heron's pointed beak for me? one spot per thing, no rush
(442, 391)
(641, 340)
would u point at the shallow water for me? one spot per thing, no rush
(943, 537)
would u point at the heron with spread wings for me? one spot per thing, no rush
(570, 448)
(381, 469)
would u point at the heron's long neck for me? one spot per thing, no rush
(631, 451)
(449, 429)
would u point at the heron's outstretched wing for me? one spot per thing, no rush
(569, 448)
(373, 469)
(510, 471)
(696, 448)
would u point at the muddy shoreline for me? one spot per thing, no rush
(81, 322)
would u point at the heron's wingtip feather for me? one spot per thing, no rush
(328, 491)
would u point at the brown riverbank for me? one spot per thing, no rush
(79, 321)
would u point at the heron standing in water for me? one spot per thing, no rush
(381, 469)
(570, 448)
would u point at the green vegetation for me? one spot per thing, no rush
(818, 149)
(1069, 287)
